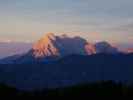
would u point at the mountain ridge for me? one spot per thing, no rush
(51, 44)
(53, 47)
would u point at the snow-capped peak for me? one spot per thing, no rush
(45, 47)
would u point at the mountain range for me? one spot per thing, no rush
(58, 61)
(53, 47)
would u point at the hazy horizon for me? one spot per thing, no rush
(11, 48)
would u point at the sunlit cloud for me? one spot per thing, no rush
(5, 40)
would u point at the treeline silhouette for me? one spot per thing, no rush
(87, 90)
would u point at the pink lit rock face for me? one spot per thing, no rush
(51, 45)
(90, 49)
(129, 50)
(45, 47)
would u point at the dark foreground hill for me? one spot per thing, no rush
(103, 89)
(69, 71)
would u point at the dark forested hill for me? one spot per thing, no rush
(100, 90)
(69, 70)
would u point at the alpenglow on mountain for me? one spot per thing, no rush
(63, 45)
(52, 47)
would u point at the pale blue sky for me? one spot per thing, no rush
(28, 20)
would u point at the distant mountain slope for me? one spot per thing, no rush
(105, 47)
(13, 48)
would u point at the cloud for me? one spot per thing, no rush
(124, 28)
(2, 40)
(5, 40)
